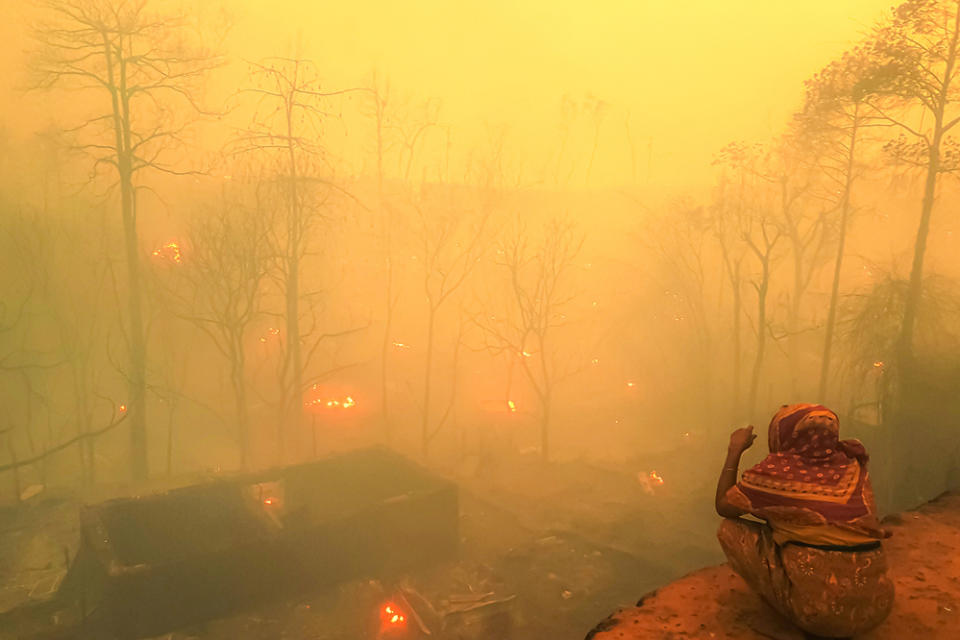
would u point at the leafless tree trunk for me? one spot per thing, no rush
(222, 273)
(838, 261)
(134, 62)
(451, 245)
(538, 294)
(287, 125)
(762, 249)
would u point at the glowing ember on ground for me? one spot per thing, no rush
(343, 404)
(268, 501)
(400, 345)
(346, 403)
(526, 354)
(649, 482)
(878, 364)
(391, 615)
(595, 361)
(631, 384)
(123, 408)
(170, 251)
(512, 406)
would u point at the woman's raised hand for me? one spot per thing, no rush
(742, 439)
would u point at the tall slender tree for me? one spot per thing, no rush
(914, 85)
(143, 71)
(537, 290)
(287, 127)
(218, 289)
(452, 242)
(757, 223)
(833, 120)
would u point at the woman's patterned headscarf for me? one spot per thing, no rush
(809, 467)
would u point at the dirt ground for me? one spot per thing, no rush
(714, 603)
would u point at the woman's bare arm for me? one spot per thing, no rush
(740, 441)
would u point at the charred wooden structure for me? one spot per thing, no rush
(154, 563)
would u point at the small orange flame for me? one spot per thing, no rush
(512, 406)
(170, 251)
(878, 364)
(392, 616)
(123, 408)
(631, 385)
(655, 477)
(346, 403)
(268, 501)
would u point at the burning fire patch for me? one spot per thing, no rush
(649, 482)
(169, 251)
(392, 618)
(319, 402)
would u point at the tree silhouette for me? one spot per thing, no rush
(537, 293)
(140, 66)
(913, 85)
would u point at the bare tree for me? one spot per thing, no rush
(412, 129)
(725, 211)
(139, 65)
(287, 126)
(537, 294)
(782, 176)
(790, 165)
(380, 113)
(403, 130)
(571, 112)
(833, 120)
(760, 229)
(452, 242)
(218, 288)
(598, 109)
(761, 235)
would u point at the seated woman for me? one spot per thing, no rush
(816, 557)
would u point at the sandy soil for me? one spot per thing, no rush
(924, 556)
